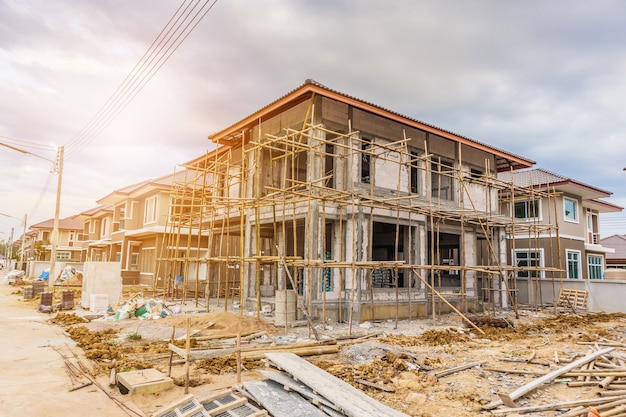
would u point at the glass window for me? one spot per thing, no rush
(526, 259)
(526, 209)
(63, 256)
(596, 266)
(571, 209)
(150, 212)
(573, 264)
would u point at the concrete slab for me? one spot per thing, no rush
(145, 381)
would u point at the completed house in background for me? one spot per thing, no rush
(130, 227)
(69, 247)
(616, 261)
(571, 246)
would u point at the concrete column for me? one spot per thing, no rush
(469, 246)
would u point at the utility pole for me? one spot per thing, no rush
(55, 228)
(23, 241)
(58, 167)
(11, 251)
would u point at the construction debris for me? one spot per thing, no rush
(142, 309)
(345, 399)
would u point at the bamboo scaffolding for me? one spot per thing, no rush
(275, 192)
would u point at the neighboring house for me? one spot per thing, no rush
(564, 241)
(29, 245)
(98, 226)
(130, 227)
(361, 210)
(69, 241)
(617, 259)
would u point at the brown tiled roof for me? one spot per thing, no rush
(539, 177)
(68, 223)
(310, 87)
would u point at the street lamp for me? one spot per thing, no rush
(58, 166)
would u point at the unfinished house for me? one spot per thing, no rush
(357, 211)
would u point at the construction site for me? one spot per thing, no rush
(333, 258)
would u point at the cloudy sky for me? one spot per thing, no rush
(545, 80)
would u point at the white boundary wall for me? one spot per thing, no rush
(607, 296)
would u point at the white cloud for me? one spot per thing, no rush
(540, 79)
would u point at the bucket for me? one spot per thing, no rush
(285, 311)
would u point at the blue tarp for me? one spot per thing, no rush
(44, 274)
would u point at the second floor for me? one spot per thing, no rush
(556, 206)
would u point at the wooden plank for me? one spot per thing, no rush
(556, 406)
(348, 399)
(509, 399)
(280, 403)
(381, 387)
(291, 384)
(309, 348)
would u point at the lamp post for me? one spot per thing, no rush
(58, 167)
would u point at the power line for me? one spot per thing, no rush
(27, 144)
(163, 47)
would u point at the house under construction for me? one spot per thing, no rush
(364, 213)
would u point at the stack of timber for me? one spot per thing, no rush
(602, 368)
(303, 389)
(222, 404)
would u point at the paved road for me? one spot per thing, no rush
(33, 376)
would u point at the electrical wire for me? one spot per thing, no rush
(159, 52)
(27, 144)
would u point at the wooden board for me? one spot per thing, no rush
(280, 403)
(291, 384)
(346, 398)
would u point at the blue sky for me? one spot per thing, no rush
(544, 80)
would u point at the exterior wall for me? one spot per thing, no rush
(604, 295)
(570, 228)
(35, 268)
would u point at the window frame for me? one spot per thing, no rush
(528, 217)
(438, 172)
(366, 167)
(538, 252)
(570, 262)
(591, 266)
(150, 210)
(566, 217)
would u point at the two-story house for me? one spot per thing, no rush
(130, 227)
(97, 229)
(69, 246)
(571, 248)
(366, 213)
(616, 261)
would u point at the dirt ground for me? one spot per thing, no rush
(403, 357)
